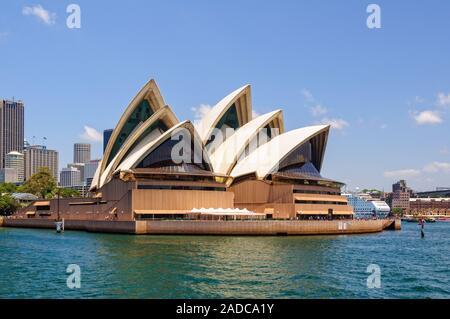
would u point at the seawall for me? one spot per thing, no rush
(260, 228)
(201, 227)
(124, 227)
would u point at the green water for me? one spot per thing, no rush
(33, 265)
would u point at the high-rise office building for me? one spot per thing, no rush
(81, 152)
(70, 176)
(106, 136)
(89, 171)
(80, 167)
(38, 156)
(11, 128)
(8, 175)
(16, 160)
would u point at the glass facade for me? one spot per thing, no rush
(228, 120)
(158, 125)
(367, 209)
(304, 169)
(139, 115)
(161, 157)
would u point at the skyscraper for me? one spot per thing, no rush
(106, 136)
(81, 152)
(11, 128)
(69, 177)
(80, 167)
(38, 156)
(8, 175)
(15, 160)
(89, 171)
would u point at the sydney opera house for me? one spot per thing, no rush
(228, 165)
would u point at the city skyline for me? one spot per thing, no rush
(387, 100)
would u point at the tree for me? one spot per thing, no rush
(67, 193)
(397, 211)
(8, 188)
(8, 205)
(41, 184)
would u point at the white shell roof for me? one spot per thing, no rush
(225, 156)
(266, 158)
(207, 124)
(158, 115)
(148, 144)
(148, 89)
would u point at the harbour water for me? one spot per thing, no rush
(33, 264)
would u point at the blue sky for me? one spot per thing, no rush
(386, 91)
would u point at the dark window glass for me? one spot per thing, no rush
(139, 115)
(161, 157)
(158, 125)
(307, 169)
(228, 120)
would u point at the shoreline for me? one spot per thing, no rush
(205, 227)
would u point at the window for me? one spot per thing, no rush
(161, 157)
(139, 115)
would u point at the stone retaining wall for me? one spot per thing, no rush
(291, 227)
(202, 227)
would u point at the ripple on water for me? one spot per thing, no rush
(34, 265)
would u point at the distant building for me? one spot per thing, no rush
(365, 206)
(11, 128)
(8, 175)
(429, 206)
(24, 198)
(106, 136)
(81, 152)
(81, 168)
(38, 156)
(70, 176)
(89, 171)
(81, 189)
(400, 195)
(16, 160)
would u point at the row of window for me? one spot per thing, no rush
(319, 202)
(302, 191)
(182, 187)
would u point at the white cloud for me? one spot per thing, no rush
(338, 124)
(40, 13)
(318, 110)
(200, 113)
(308, 95)
(91, 134)
(427, 117)
(402, 173)
(419, 100)
(443, 100)
(444, 151)
(437, 167)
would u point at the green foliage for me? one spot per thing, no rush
(67, 193)
(8, 205)
(41, 184)
(397, 211)
(8, 188)
(371, 191)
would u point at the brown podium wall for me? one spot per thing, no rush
(154, 199)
